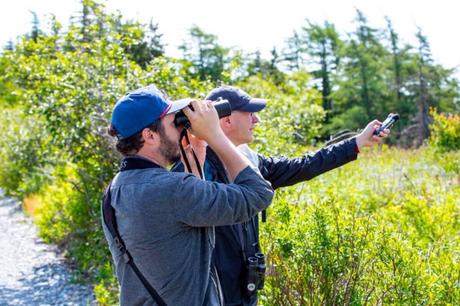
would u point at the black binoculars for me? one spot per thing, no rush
(255, 274)
(223, 108)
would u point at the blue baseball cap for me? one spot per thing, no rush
(239, 100)
(141, 108)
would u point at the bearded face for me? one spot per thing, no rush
(169, 149)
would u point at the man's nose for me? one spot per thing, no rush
(255, 118)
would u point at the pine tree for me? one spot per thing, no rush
(423, 101)
(9, 45)
(397, 65)
(362, 88)
(323, 45)
(155, 45)
(35, 32)
(294, 53)
(209, 59)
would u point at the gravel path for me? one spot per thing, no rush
(32, 272)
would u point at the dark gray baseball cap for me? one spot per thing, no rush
(239, 100)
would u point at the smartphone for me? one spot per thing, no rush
(388, 123)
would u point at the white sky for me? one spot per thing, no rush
(257, 24)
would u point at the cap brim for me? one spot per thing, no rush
(254, 105)
(178, 105)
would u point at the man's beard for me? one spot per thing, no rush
(168, 148)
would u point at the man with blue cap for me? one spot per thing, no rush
(160, 224)
(237, 253)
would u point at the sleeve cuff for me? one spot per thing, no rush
(351, 148)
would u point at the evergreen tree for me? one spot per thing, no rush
(401, 69)
(155, 45)
(142, 45)
(323, 45)
(35, 32)
(362, 93)
(85, 20)
(360, 51)
(255, 64)
(273, 72)
(425, 85)
(397, 65)
(9, 45)
(424, 100)
(208, 58)
(56, 26)
(294, 53)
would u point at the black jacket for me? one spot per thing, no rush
(233, 241)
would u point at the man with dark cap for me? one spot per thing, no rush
(165, 220)
(237, 245)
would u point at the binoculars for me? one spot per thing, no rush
(223, 108)
(255, 274)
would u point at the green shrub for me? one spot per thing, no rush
(445, 131)
(23, 154)
(381, 230)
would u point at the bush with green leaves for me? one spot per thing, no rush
(381, 230)
(445, 131)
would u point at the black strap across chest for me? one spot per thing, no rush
(110, 221)
(241, 231)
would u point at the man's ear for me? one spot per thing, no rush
(226, 123)
(150, 137)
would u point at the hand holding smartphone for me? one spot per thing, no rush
(388, 123)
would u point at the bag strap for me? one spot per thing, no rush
(110, 221)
